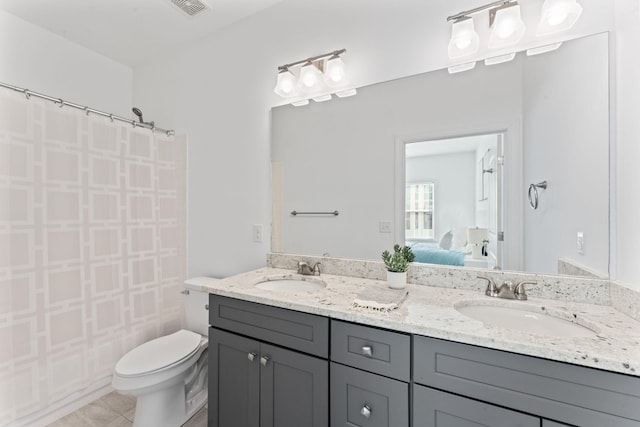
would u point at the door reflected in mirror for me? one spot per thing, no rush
(453, 200)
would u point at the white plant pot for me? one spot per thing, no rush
(396, 280)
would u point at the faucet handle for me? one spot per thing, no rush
(492, 289)
(301, 266)
(520, 292)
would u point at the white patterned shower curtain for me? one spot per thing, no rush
(92, 248)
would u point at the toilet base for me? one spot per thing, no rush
(170, 400)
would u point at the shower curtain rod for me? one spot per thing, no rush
(61, 103)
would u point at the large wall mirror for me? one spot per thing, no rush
(415, 159)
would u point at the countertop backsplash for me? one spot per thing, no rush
(562, 288)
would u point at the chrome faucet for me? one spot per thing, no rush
(307, 270)
(507, 290)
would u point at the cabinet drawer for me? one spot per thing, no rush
(375, 350)
(300, 331)
(560, 391)
(433, 408)
(363, 399)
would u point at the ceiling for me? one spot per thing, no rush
(131, 31)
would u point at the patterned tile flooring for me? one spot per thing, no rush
(114, 410)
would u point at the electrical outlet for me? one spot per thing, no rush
(385, 227)
(580, 242)
(256, 232)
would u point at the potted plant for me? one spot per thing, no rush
(397, 264)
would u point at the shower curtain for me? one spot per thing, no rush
(92, 248)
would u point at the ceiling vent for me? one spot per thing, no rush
(190, 7)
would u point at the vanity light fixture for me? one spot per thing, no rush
(507, 29)
(318, 78)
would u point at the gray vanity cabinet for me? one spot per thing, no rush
(363, 399)
(563, 392)
(253, 383)
(372, 390)
(234, 380)
(433, 408)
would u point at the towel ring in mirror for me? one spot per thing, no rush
(533, 193)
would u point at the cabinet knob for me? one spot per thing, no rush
(365, 411)
(367, 350)
(251, 356)
(264, 360)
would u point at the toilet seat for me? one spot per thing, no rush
(158, 354)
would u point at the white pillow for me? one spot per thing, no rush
(445, 240)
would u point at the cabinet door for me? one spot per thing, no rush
(294, 389)
(432, 408)
(234, 380)
(363, 399)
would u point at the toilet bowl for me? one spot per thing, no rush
(168, 375)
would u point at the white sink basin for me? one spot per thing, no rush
(291, 284)
(530, 319)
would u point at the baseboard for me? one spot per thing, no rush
(65, 406)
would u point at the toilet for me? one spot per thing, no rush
(168, 375)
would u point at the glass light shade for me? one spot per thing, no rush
(310, 78)
(286, 85)
(508, 28)
(462, 67)
(335, 73)
(500, 59)
(558, 15)
(464, 39)
(322, 98)
(543, 49)
(346, 93)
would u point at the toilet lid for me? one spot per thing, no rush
(158, 353)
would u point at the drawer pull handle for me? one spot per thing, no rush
(264, 360)
(367, 351)
(365, 411)
(251, 356)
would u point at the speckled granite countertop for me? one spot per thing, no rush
(429, 311)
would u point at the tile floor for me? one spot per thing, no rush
(114, 410)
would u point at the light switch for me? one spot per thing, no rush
(385, 227)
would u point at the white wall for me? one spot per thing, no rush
(566, 129)
(36, 59)
(627, 154)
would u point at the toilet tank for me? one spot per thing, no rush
(196, 301)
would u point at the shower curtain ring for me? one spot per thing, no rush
(27, 94)
(86, 110)
(60, 103)
(111, 117)
(133, 123)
